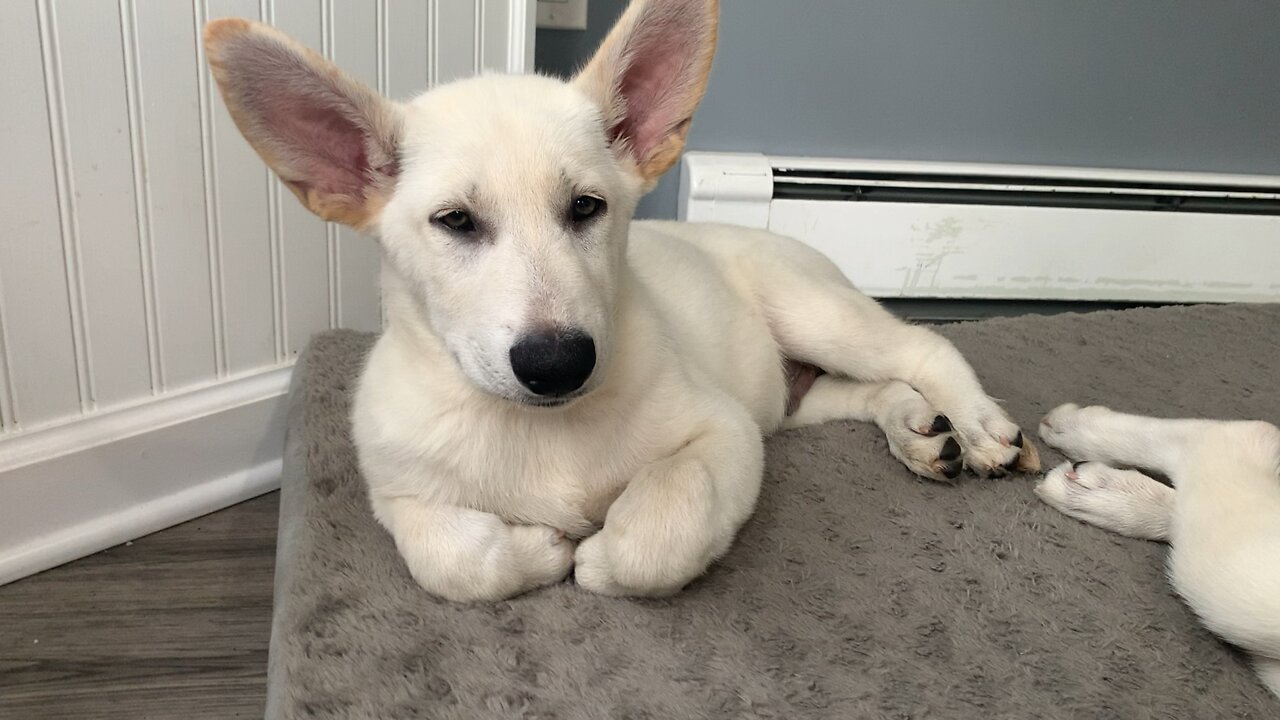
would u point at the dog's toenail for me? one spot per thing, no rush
(940, 425)
(951, 470)
(1076, 465)
(1017, 441)
(950, 450)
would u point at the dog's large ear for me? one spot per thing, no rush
(329, 138)
(649, 75)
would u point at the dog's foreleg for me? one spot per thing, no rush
(918, 434)
(844, 332)
(462, 554)
(1122, 501)
(677, 514)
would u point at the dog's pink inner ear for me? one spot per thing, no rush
(326, 136)
(653, 87)
(649, 75)
(328, 150)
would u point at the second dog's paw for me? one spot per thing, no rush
(1122, 501)
(1075, 431)
(1070, 486)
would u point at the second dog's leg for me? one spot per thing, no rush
(918, 434)
(1122, 501)
(678, 514)
(1170, 447)
(1098, 433)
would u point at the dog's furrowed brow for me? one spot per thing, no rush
(585, 184)
(467, 201)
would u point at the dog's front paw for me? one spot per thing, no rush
(599, 568)
(591, 567)
(994, 446)
(543, 554)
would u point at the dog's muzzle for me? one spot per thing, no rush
(553, 363)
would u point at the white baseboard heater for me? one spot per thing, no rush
(1008, 232)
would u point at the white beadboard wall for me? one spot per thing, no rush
(155, 281)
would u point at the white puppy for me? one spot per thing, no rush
(1222, 522)
(558, 387)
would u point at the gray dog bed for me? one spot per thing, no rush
(857, 590)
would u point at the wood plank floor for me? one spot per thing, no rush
(174, 625)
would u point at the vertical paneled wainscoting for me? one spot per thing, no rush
(156, 283)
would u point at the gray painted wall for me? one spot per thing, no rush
(562, 52)
(1145, 84)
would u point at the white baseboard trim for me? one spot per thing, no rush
(73, 490)
(107, 531)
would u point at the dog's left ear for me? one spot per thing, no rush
(649, 75)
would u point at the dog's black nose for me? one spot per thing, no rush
(553, 363)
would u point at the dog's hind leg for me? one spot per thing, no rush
(1122, 501)
(829, 324)
(918, 434)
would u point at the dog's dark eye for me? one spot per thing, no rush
(586, 207)
(457, 221)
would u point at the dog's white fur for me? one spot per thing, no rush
(1222, 522)
(645, 475)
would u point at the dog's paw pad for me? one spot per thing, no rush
(939, 426)
(937, 457)
(921, 437)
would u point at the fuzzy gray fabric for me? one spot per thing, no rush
(857, 590)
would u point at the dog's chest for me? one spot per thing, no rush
(548, 476)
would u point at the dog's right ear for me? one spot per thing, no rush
(330, 139)
(648, 77)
